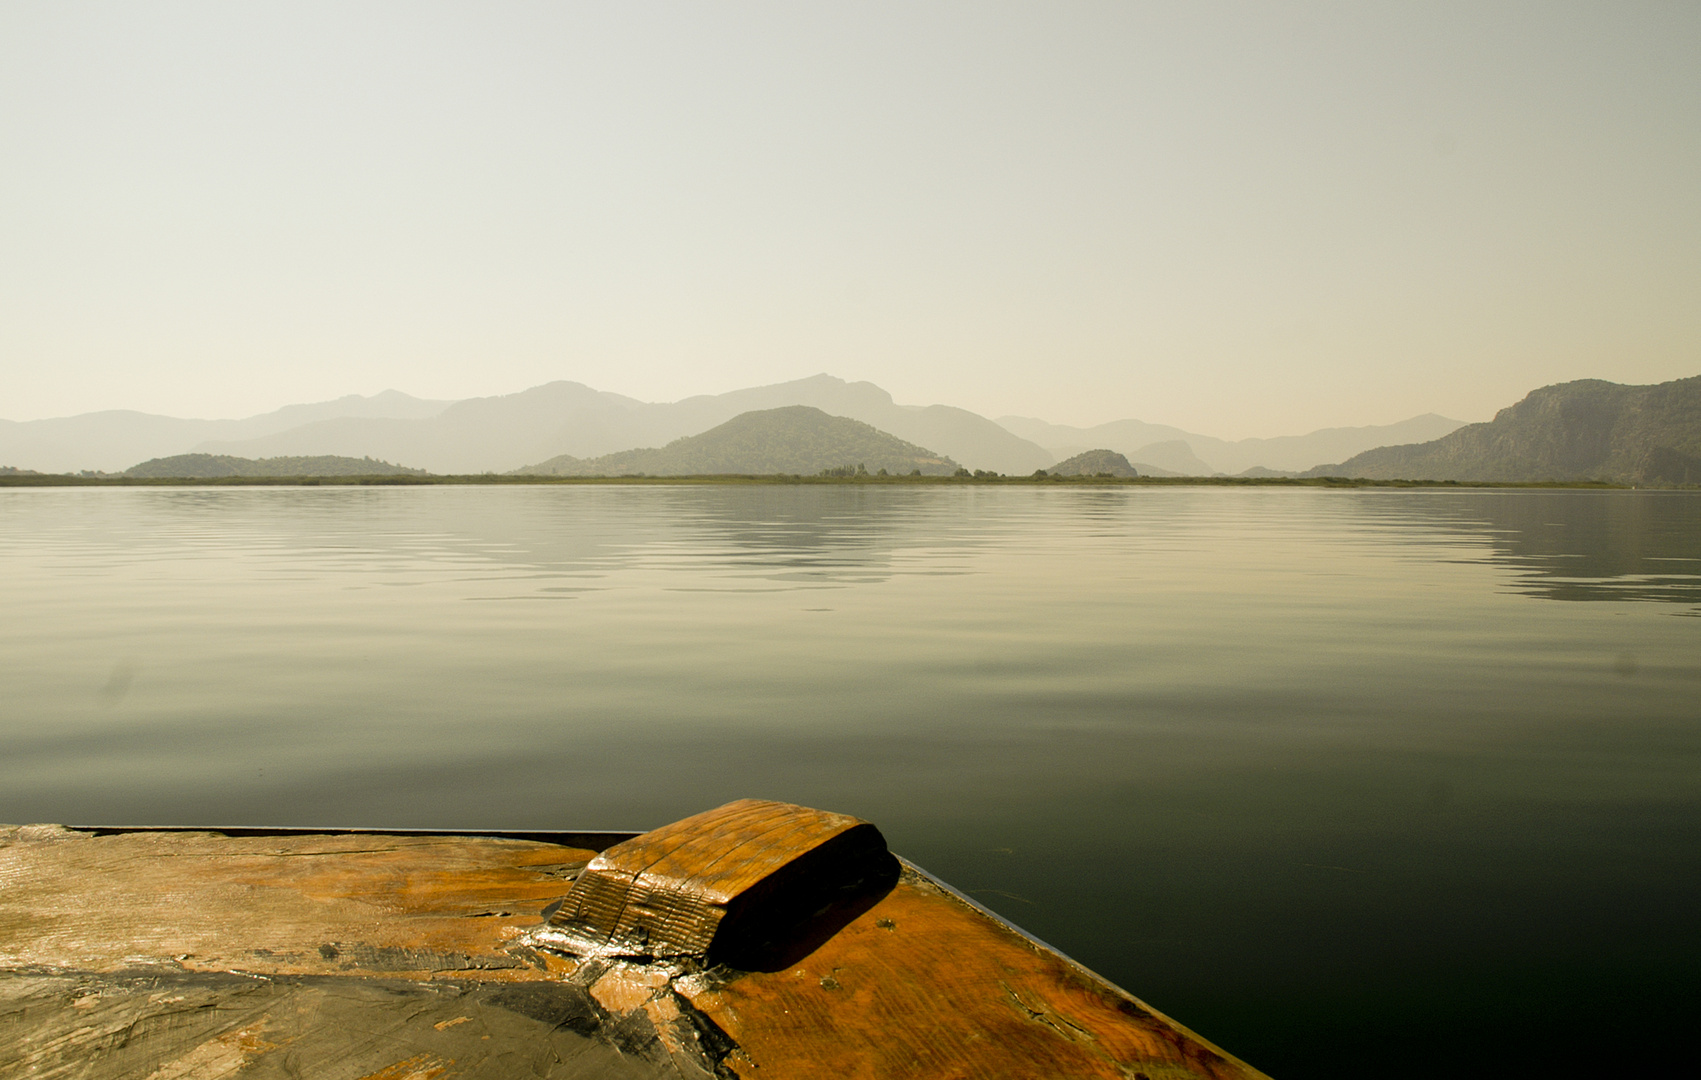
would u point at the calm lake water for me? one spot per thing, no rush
(1372, 782)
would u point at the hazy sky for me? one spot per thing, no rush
(1241, 218)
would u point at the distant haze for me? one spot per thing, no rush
(506, 432)
(1245, 219)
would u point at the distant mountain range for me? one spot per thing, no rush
(114, 440)
(1583, 430)
(1587, 428)
(794, 439)
(1161, 450)
(499, 434)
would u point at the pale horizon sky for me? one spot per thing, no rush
(1243, 219)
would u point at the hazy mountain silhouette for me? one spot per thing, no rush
(796, 439)
(1175, 457)
(503, 433)
(110, 441)
(958, 433)
(1588, 429)
(210, 466)
(1286, 453)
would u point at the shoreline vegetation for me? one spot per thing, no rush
(30, 480)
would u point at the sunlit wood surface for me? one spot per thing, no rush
(677, 890)
(404, 957)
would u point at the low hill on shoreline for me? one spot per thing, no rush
(794, 440)
(1094, 463)
(1589, 429)
(209, 466)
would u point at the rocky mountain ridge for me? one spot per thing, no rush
(1588, 429)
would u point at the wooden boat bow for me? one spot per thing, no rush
(747, 876)
(755, 940)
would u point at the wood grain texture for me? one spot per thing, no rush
(307, 904)
(350, 956)
(922, 984)
(183, 955)
(669, 892)
(175, 1025)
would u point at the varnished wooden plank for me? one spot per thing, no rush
(341, 957)
(177, 1025)
(921, 984)
(356, 956)
(302, 904)
(675, 891)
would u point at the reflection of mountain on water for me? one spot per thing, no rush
(799, 534)
(1586, 545)
(1561, 545)
(789, 535)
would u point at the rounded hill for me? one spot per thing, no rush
(1094, 463)
(796, 439)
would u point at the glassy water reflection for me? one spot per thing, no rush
(1338, 778)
